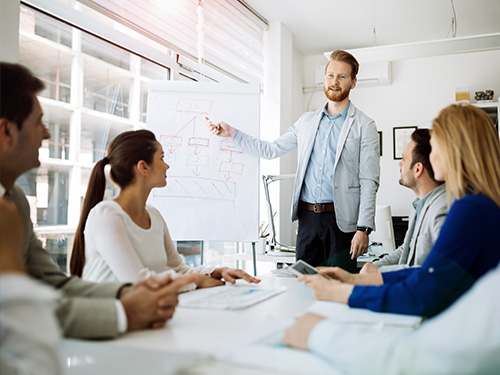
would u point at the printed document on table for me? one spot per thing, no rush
(227, 297)
(345, 314)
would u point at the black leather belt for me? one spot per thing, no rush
(318, 207)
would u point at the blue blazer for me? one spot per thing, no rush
(466, 249)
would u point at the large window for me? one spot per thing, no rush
(94, 91)
(97, 87)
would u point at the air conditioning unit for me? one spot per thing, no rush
(375, 74)
(370, 74)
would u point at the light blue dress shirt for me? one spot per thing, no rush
(318, 180)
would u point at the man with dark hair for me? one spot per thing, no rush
(338, 170)
(87, 310)
(18, 87)
(429, 208)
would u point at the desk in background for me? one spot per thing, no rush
(280, 258)
(373, 253)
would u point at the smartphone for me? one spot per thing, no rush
(303, 268)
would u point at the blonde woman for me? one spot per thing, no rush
(465, 154)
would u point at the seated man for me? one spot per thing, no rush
(87, 310)
(429, 209)
(29, 334)
(465, 154)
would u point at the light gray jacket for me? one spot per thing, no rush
(87, 309)
(356, 169)
(426, 230)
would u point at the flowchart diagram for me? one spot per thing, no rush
(198, 170)
(212, 186)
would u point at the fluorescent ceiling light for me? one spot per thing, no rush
(438, 47)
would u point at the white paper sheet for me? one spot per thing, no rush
(227, 297)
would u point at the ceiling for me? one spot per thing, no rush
(324, 25)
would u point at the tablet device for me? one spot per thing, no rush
(303, 268)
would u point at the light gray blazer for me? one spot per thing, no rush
(356, 169)
(426, 230)
(87, 310)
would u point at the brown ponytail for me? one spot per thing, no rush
(95, 194)
(124, 152)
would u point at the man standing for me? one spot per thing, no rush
(87, 310)
(429, 208)
(338, 170)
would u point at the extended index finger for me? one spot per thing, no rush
(354, 249)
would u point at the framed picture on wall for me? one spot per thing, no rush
(380, 141)
(401, 137)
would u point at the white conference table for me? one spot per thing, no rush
(208, 341)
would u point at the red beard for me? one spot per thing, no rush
(337, 96)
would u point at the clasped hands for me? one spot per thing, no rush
(151, 302)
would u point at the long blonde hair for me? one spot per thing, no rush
(470, 150)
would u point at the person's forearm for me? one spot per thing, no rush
(88, 318)
(368, 279)
(232, 132)
(335, 342)
(392, 258)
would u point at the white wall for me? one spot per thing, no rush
(420, 89)
(282, 91)
(281, 107)
(9, 30)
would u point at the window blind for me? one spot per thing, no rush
(225, 34)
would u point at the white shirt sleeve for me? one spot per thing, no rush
(464, 339)
(116, 247)
(109, 231)
(29, 332)
(121, 317)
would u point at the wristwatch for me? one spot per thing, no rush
(366, 230)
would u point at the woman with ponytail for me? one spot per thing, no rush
(125, 239)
